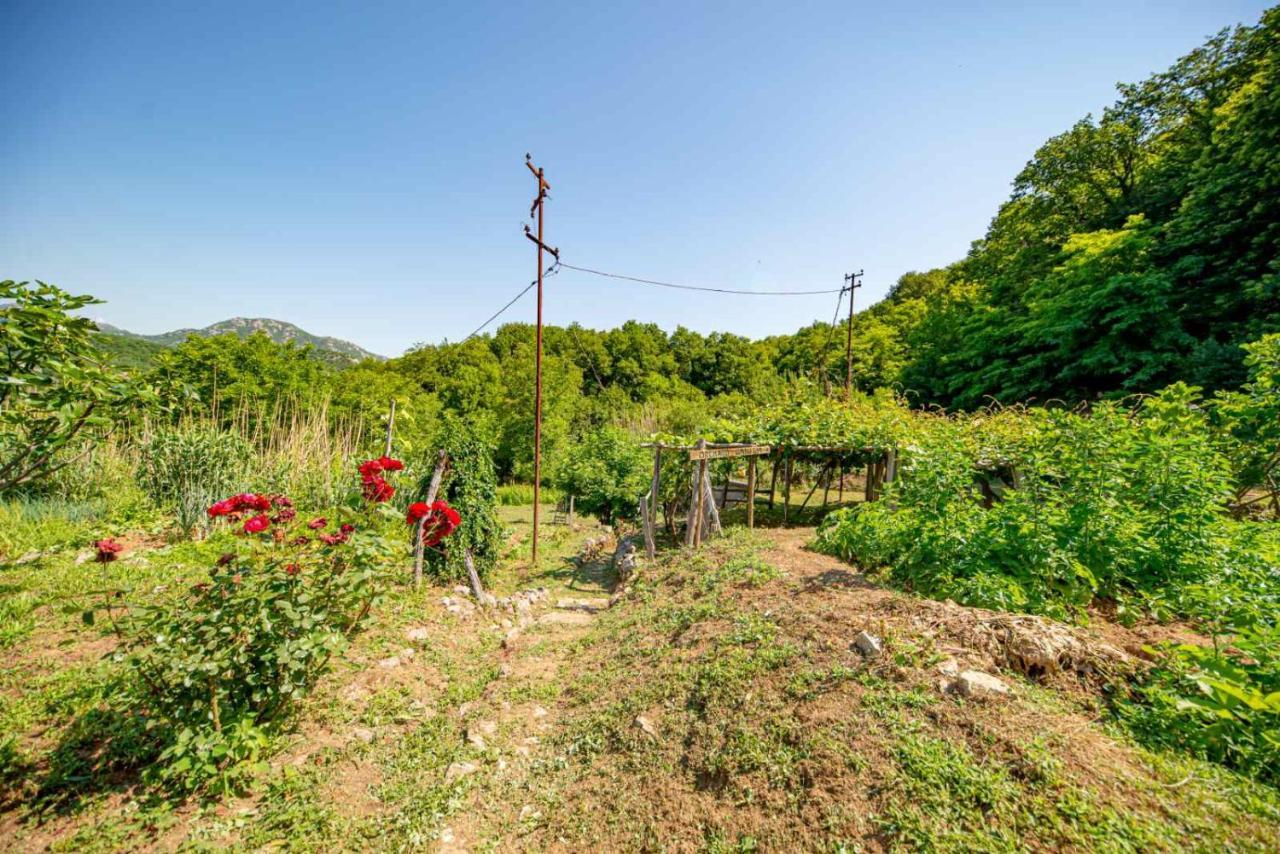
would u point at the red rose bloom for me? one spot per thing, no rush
(221, 508)
(257, 524)
(378, 490)
(317, 523)
(333, 539)
(389, 464)
(438, 520)
(285, 515)
(370, 469)
(347, 529)
(292, 569)
(108, 550)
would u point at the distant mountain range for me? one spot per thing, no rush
(276, 330)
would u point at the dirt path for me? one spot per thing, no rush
(511, 721)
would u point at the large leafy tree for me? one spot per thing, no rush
(56, 390)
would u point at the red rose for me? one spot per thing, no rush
(347, 529)
(108, 550)
(378, 490)
(285, 515)
(370, 469)
(417, 510)
(292, 569)
(333, 539)
(221, 508)
(317, 523)
(389, 464)
(281, 501)
(299, 541)
(257, 524)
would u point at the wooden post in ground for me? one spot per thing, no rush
(654, 493)
(826, 485)
(868, 483)
(646, 519)
(751, 492)
(571, 512)
(691, 527)
(441, 459)
(840, 496)
(477, 589)
(391, 426)
(712, 522)
(788, 470)
(773, 480)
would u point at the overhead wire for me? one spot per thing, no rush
(551, 272)
(697, 287)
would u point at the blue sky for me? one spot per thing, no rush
(357, 168)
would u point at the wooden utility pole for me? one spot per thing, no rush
(536, 211)
(851, 281)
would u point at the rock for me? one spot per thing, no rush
(539, 712)
(363, 734)
(461, 590)
(407, 654)
(976, 684)
(458, 770)
(475, 738)
(868, 644)
(389, 663)
(417, 634)
(466, 708)
(646, 726)
(29, 557)
(84, 557)
(950, 667)
(529, 813)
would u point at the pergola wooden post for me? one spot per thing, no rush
(751, 492)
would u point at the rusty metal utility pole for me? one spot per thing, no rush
(851, 281)
(536, 210)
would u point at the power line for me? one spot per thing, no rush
(696, 287)
(514, 300)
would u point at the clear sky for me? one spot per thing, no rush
(357, 168)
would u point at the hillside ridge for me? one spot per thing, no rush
(280, 331)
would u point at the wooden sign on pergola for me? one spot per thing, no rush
(703, 514)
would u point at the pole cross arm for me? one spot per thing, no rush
(555, 253)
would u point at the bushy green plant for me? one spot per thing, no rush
(1221, 704)
(1125, 504)
(184, 470)
(218, 666)
(470, 487)
(606, 471)
(56, 391)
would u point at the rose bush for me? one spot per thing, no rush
(218, 666)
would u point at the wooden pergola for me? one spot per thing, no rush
(703, 515)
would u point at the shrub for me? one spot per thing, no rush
(1222, 705)
(470, 486)
(1116, 503)
(216, 667)
(55, 391)
(606, 471)
(185, 470)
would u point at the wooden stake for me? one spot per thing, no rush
(441, 459)
(786, 490)
(751, 492)
(646, 519)
(391, 426)
(712, 525)
(477, 589)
